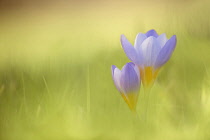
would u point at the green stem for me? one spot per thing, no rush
(147, 98)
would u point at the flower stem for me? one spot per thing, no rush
(146, 98)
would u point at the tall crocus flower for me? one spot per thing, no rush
(150, 52)
(127, 81)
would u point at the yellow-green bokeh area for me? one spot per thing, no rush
(55, 77)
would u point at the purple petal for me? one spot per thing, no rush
(136, 68)
(130, 83)
(150, 50)
(166, 52)
(129, 49)
(130, 63)
(151, 33)
(139, 39)
(162, 39)
(116, 74)
(112, 69)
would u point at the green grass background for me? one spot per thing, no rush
(55, 77)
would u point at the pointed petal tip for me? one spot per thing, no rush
(173, 40)
(174, 36)
(112, 68)
(151, 32)
(166, 52)
(130, 63)
(140, 37)
(122, 36)
(123, 40)
(162, 39)
(129, 50)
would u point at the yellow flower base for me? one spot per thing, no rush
(131, 100)
(148, 76)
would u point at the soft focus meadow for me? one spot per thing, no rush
(55, 77)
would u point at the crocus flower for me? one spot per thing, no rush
(150, 52)
(127, 81)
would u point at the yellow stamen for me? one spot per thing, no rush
(148, 75)
(131, 100)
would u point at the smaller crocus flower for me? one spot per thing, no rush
(150, 52)
(127, 81)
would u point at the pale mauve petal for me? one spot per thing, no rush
(166, 52)
(139, 39)
(117, 77)
(129, 50)
(129, 80)
(150, 49)
(151, 33)
(162, 39)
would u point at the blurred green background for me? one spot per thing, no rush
(55, 77)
